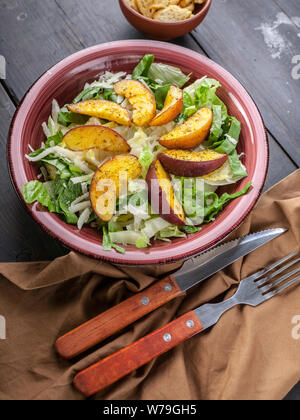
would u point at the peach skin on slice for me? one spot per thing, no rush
(140, 97)
(191, 133)
(172, 107)
(162, 196)
(89, 137)
(191, 164)
(107, 110)
(110, 181)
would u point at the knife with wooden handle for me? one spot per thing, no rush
(120, 364)
(193, 272)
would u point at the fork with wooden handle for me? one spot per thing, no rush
(193, 272)
(252, 291)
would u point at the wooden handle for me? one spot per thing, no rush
(127, 360)
(117, 318)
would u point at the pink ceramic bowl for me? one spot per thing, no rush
(164, 31)
(68, 77)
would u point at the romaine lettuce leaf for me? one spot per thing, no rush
(38, 191)
(214, 204)
(142, 69)
(107, 243)
(164, 74)
(65, 118)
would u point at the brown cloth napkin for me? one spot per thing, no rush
(249, 354)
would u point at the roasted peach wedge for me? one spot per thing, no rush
(190, 134)
(141, 98)
(89, 137)
(107, 110)
(172, 107)
(162, 196)
(191, 164)
(110, 181)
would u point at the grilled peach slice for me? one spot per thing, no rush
(162, 196)
(191, 164)
(107, 110)
(140, 97)
(190, 134)
(89, 137)
(110, 181)
(172, 107)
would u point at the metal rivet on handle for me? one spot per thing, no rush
(168, 288)
(167, 337)
(190, 323)
(145, 301)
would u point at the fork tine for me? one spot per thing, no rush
(281, 270)
(284, 287)
(271, 267)
(270, 286)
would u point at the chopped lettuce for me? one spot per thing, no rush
(170, 232)
(142, 69)
(146, 158)
(92, 92)
(65, 168)
(38, 191)
(66, 117)
(159, 78)
(107, 243)
(164, 74)
(214, 204)
(191, 229)
(54, 140)
(201, 205)
(190, 193)
(57, 196)
(65, 193)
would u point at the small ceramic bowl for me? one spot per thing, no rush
(68, 77)
(164, 31)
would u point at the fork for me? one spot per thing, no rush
(252, 291)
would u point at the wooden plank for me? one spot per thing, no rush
(96, 24)
(280, 164)
(256, 42)
(292, 9)
(21, 238)
(35, 35)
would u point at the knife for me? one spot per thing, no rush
(193, 272)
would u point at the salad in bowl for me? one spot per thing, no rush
(139, 156)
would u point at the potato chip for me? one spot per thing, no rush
(185, 3)
(158, 5)
(190, 7)
(172, 14)
(144, 6)
(163, 4)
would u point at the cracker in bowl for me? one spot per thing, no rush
(172, 14)
(165, 10)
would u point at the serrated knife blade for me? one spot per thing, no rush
(198, 269)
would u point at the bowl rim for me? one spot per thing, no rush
(202, 11)
(144, 259)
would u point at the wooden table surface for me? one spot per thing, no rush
(257, 41)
